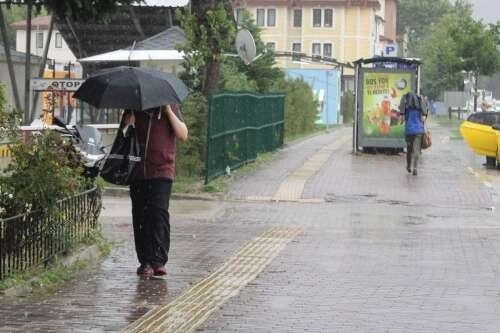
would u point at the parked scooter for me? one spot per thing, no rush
(88, 142)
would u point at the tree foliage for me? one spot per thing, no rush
(210, 31)
(300, 107)
(11, 15)
(417, 18)
(77, 10)
(191, 154)
(455, 44)
(262, 71)
(477, 46)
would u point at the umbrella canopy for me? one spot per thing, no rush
(136, 88)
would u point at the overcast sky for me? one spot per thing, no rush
(488, 10)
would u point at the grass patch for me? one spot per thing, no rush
(445, 121)
(452, 124)
(455, 135)
(220, 184)
(318, 129)
(47, 279)
(42, 279)
(187, 184)
(96, 237)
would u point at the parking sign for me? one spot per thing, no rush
(391, 50)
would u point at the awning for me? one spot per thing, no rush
(135, 55)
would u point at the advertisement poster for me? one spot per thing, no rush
(382, 92)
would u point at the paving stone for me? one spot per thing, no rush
(381, 251)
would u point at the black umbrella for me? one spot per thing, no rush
(134, 88)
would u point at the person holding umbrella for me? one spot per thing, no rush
(151, 102)
(157, 130)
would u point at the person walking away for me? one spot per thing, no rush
(415, 112)
(157, 130)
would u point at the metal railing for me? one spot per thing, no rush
(240, 126)
(34, 238)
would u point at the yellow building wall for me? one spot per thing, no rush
(351, 21)
(350, 34)
(366, 22)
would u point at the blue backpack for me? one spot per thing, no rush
(413, 114)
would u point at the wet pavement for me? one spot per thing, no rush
(318, 240)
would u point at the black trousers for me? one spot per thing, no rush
(151, 220)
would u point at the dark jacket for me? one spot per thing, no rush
(157, 144)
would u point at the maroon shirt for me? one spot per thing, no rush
(157, 144)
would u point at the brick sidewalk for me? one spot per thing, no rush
(421, 255)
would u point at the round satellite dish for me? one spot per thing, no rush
(245, 46)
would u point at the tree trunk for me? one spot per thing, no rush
(199, 9)
(211, 78)
(476, 78)
(10, 65)
(27, 64)
(41, 69)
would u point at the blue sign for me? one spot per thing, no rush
(325, 84)
(391, 50)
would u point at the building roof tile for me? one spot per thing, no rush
(39, 22)
(165, 40)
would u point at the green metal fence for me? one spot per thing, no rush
(240, 126)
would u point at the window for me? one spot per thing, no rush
(297, 18)
(316, 49)
(296, 48)
(240, 15)
(261, 17)
(327, 50)
(316, 17)
(39, 40)
(271, 46)
(328, 18)
(58, 40)
(271, 17)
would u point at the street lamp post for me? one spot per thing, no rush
(476, 79)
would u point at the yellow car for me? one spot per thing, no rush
(481, 131)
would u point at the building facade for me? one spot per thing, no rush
(58, 49)
(345, 30)
(18, 64)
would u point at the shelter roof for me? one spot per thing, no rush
(165, 40)
(39, 22)
(16, 55)
(161, 46)
(126, 25)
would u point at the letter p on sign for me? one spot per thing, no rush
(391, 50)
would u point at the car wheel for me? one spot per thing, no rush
(491, 162)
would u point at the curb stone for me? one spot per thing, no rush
(124, 192)
(90, 253)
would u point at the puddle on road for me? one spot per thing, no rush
(332, 197)
(413, 220)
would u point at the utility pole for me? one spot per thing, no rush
(12, 74)
(476, 79)
(326, 99)
(27, 64)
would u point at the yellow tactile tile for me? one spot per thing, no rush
(194, 306)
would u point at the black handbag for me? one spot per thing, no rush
(123, 159)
